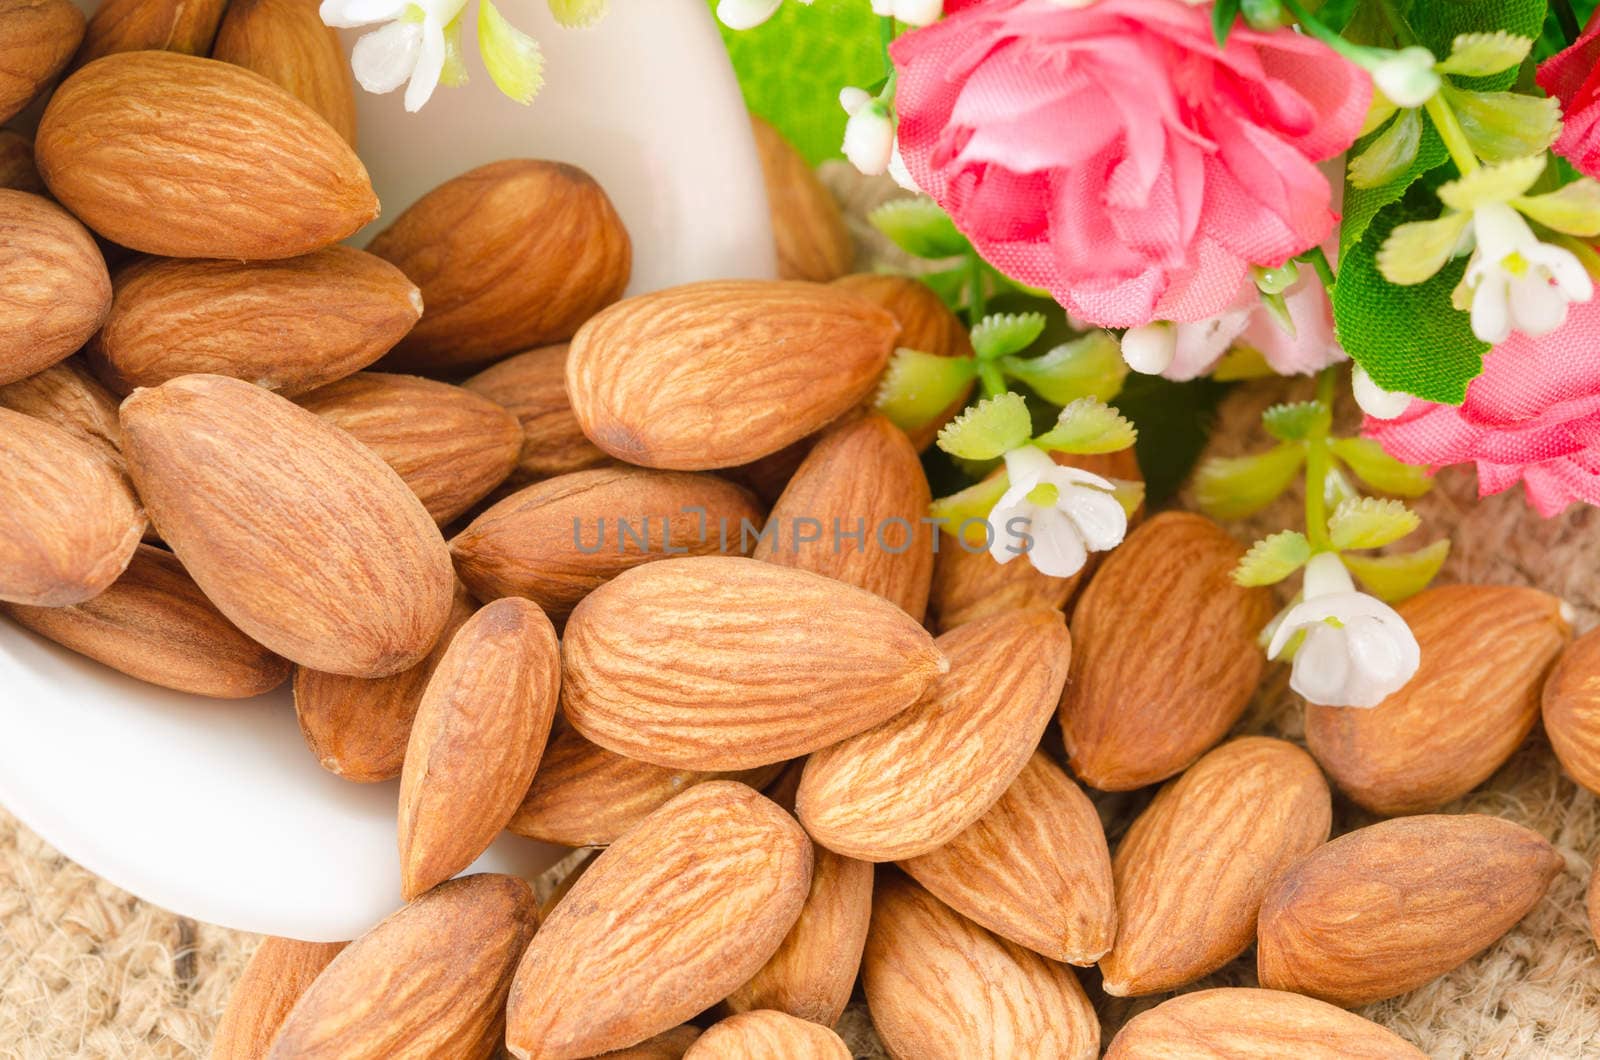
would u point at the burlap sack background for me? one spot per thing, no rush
(88, 971)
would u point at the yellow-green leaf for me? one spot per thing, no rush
(1483, 54)
(1090, 366)
(1089, 426)
(918, 386)
(989, 429)
(1497, 183)
(1416, 251)
(1367, 460)
(1002, 334)
(1273, 559)
(454, 72)
(1369, 522)
(1391, 154)
(972, 504)
(1295, 422)
(512, 58)
(1236, 487)
(1573, 210)
(578, 14)
(1502, 126)
(1395, 578)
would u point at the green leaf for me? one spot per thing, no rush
(1573, 210)
(1264, 14)
(1397, 577)
(919, 227)
(989, 429)
(1223, 15)
(1367, 460)
(1296, 422)
(919, 386)
(1236, 487)
(1502, 126)
(974, 502)
(1003, 334)
(1091, 366)
(1482, 54)
(1415, 252)
(1129, 493)
(1370, 523)
(1390, 154)
(578, 14)
(1174, 421)
(513, 59)
(1088, 426)
(1273, 559)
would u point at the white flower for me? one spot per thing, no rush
(1517, 283)
(1358, 651)
(1067, 512)
(869, 134)
(748, 14)
(1407, 76)
(410, 48)
(1375, 401)
(911, 12)
(898, 170)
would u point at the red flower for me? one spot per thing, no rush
(1573, 77)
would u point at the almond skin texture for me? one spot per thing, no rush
(70, 522)
(509, 256)
(1239, 1023)
(862, 476)
(807, 226)
(153, 623)
(68, 396)
(278, 973)
(1572, 710)
(668, 1045)
(1035, 869)
(37, 39)
(939, 985)
(54, 289)
(720, 373)
(138, 145)
(1192, 870)
(17, 170)
(558, 540)
(186, 26)
(916, 781)
(1485, 652)
(289, 325)
(1165, 654)
(451, 446)
(296, 531)
(674, 915)
(720, 663)
(1387, 908)
(285, 42)
(532, 386)
(767, 1033)
(428, 983)
(476, 740)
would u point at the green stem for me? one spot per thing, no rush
(977, 304)
(1319, 261)
(1567, 18)
(990, 379)
(1450, 131)
(1319, 462)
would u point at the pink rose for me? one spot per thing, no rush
(1532, 416)
(1115, 156)
(1573, 77)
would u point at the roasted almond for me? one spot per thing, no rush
(809, 230)
(1192, 870)
(286, 42)
(289, 325)
(720, 662)
(532, 386)
(68, 396)
(674, 915)
(1572, 710)
(668, 1045)
(297, 532)
(767, 1033)
(54, 289)
(1387, 908)
(1239, 1023)
(1165, 654)
(37, 40)
(136, 145)
(719, 373)
(186, 26)
(915, 781)
(278, 973)
(509, 256)
(17, 170)
(1035, 869)
(451, 446)
(427, 983)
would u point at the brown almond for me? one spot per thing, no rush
(1387, 908)
(428, 983)
(37, 40)
(767, 1033)
(17, 170)
(1240, 1023)
(509, 256)
(939, 985)
(1165, 654)
(673, 916)
(721, 663)
(1192, 870)
(186, 26)
(722, 372)
(67, 395)
(451, 446)
(532, 386)
(286, 42)
(1572, 710)
(54, 289)
(69, 523)
(289, 325)
(1035, 869)
(809, 230)
(279, 972)
(297, 532)
(135, 145)
(558, 540)
(668, 1045)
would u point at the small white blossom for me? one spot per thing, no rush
(1516, 282)
(1151, 348)
(1375, 401)
(410, 48)
(748, 14)
(869, 138)
(1407, 76)
(911, 12)
(1067, 512)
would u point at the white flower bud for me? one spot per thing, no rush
(869, 139)
(1149, 350)
(1407, 76)
(1375, 401)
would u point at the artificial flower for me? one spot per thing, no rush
(1517, 283)
(748, 14)
(1358, 651)
(1066, 511)
(1114, 155)
(869, 141)
(1375, 401)
(911, 12)
(1407, 78)
(410, 49)
(1573, 77)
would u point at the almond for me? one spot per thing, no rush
(719, 373)
(1035, 869)
(37, 39)
(1192, 870)
(510, 255)
(807, 226)
(1572, 710)
(278, 973)
(939, 985)
(296, 531)
(1238, 1023)
(1165, 654)
(289, 325)
(54, 290)
(558, 540)
(451, 446)
(674, 915)
(359, 727)
(720, 662)
(69, 524)
(186, 26)
(68, 396)
(767, 1033)
(767, 476)
(668, 1045)
(1387, 908)
(1485, 652)
(568, 880)
(856, 511)
(427, 983)
(153, 623)
(286, 42)
(137, 144)
(533, 387)
(916, 781)
(17, 170)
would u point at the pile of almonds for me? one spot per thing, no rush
(204, 487)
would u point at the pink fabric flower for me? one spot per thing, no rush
(1533, 416)
(1115, 156)
(1573, 77)
(1308, 349)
